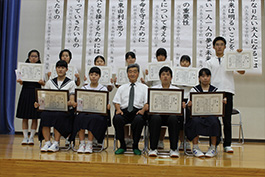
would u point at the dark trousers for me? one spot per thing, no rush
(137, 124)
(227, 119)
(155, 123)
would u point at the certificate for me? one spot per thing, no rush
(122, 77)
(91, 101)
(70, 73)
(185, 76)
(106, 74)
(153, 69)
(207, 104)
(165, 101)
(235, 61)
(52, 100)
(30, 71)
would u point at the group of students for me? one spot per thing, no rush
(131, 106)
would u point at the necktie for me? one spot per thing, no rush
(219, 59)
(131, 98)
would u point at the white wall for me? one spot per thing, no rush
(250, 90)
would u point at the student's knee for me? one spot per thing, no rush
(118, 119)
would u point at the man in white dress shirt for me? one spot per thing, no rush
(130, 103)
(224, 81)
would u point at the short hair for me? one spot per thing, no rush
(185, 58)
(65, 50)
(135, 65)
(219, 38)
(205, 71)
(132, 54)
(61, 63)
(161, 51)
(165, 69)
(99, 56)
(30, 52)
(95, 70)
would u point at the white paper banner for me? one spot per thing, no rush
(117, 33)
(161, 29)
(251, 32)
(140, 31)
(183, 30)
(95, 30)
(205, 30)
(229, 28)
(74, 31)
(53, 32)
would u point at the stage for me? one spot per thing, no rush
(18, 160)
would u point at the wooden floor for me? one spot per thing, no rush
(18, 160)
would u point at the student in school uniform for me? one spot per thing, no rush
(95, 124)
(161, 56)
(172, 121)
(224, 80)
(130, 103)
(61, 121)
(184, 62)
(25, 108)
(206, 126)
(66, 55)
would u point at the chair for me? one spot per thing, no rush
(240, 125)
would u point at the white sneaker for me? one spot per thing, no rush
(188, 147)
(81, 148)
(228, 149)
(211, 152)
(174, 153)
(31, 141)
(160, 144)
(25, 141)
(45, 147)
(53, 148)
(197, 153)
(152, 153)
(89, 148)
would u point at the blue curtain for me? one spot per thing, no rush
(9, 29)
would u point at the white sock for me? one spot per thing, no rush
(56, 142)
(25, 133)
(82, 142)
(212, 146)
(89, 142)
(32, 133)
(195, 146)
(48, 142)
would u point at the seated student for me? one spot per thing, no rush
(172, 121)
(95, 124)
(130, 104)
(206, 126)
(61, 121)
(100, 61)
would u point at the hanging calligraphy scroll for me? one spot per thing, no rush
(117, 33)
(53, 32)
(251, 32)
(183, 16)
(95, 30)
(161, 29)
(140, 31)
(229, 28)
(205, 30)
(74, 31)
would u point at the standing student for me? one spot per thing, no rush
(206, 126)
(172, 121)
(224, 81)
(66, 55)
(25, 108)
(161, 55)
(130, 103)
(61, 121)
(95, 124)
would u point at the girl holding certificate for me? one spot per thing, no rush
(206, 126)
(25, 108)
(95, 124)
